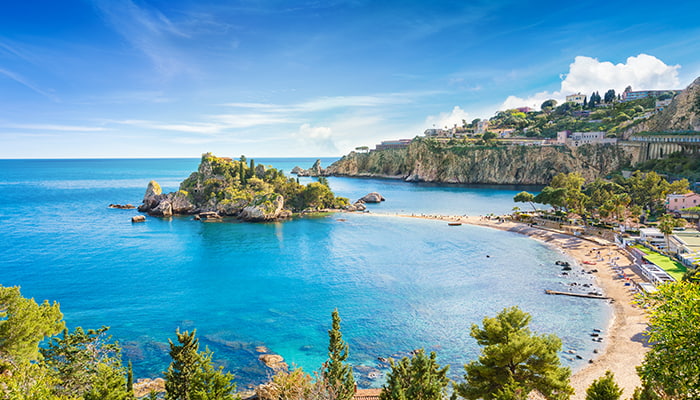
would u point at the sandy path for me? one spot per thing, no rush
(624, 345)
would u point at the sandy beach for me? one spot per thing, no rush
(624, 345)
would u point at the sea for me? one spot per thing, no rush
(399, 284)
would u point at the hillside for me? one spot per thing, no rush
(683, 114)
(426, 160)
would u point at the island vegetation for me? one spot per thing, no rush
(514, 362)
(240, 188)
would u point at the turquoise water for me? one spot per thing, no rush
(399, 283)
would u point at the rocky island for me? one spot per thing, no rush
(223, 187)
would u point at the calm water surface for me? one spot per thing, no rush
(399, 283)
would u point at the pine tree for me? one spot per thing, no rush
(604, 388)
(514, 360)
(213, 383)
(338, 374)
(24, 324)
(419, 377)
(108, 384)
(81, 358)
(192, 376)
(181, 374)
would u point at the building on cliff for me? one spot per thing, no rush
(393, 144)
(575, 139)
(577, 98)
(629, 95)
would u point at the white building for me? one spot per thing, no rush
(575, 139)
(652, 236)
(577, 98)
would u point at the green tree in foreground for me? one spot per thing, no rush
(604, 388)
(419, 377)
(514, 360)
(338, 374)
(24, 323)
(672, 367)
(181, 374)
(192, 376)
(81, 359)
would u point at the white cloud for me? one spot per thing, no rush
(447, 119)
(60, 128)
(317, 136)
(643, 72)
(586, 75)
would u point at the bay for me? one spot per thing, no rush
(398, 283)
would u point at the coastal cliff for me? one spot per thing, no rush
(426, 160)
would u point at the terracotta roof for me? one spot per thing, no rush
(367, 394)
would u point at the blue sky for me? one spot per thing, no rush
(176, 78)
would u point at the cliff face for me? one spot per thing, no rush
(683, 114)
(424, 161)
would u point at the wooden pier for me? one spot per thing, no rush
(588, 296)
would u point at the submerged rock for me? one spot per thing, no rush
(274, 361)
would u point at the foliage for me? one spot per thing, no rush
(677, 164)
(191, 375)
(293, 385)
(419, 377)
(604, 388)
(337, 374)
(514, 360)
(29, 381)
(692, 276)
(108, 384)
(525, 197)
(24, 323)
(79, 359)
(671, 368)
(226, 182)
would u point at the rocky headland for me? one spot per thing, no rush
(426, 160)
(222, 187)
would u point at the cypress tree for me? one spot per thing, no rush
(338, 374)
(181, 374)
(130, 380)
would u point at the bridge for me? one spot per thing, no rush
(659, 145)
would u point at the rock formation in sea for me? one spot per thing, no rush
(373, 197)
(225, 187)
(315, 170)
(425, 160)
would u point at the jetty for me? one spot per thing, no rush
(589, 296)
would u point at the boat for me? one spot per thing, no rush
(454, 223)
(562, 263)
(589, 262)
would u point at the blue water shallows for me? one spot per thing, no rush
(399, 283)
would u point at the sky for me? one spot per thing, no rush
(312, 78)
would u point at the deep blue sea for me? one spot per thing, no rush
(398, 283)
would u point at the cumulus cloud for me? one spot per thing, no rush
(318, 136)
(447, 119)
(587, 74)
